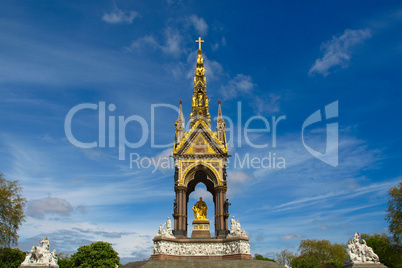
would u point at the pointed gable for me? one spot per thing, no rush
(200, 140)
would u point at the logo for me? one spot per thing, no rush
(330, 156)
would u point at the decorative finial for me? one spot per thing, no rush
(199, 41)
(181, 102)
(219, 101)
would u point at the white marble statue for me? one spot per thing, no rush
(41, 256)
(165, 233)
(235, 229)
(359, 252)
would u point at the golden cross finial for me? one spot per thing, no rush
(199, 41)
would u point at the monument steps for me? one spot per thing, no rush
(202, 264)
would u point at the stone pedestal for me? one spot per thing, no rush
(349, 264)
(233, 248)
(38, 266)
(201, 229)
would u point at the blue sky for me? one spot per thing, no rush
(272, 59)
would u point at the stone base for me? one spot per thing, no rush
(38, 266)
(164, 257)
(201, 229)
(203, 264)
(233, 248)
(349, 264)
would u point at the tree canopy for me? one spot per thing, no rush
(394, 212)
(98, 254)
(11, 257)
(389, 253)
(12, 206)
(319, 253)
(285, 257)
(262, 258)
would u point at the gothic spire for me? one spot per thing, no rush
(179, 126)
(200, 102)
(220, 125)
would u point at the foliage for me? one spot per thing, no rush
(64, 260)
(394, 212)
(285, 257)
(98, 254)
(262, 258)
(11, 211)
(305, 261)
(11, 257)
(389, 253)
(319, 253)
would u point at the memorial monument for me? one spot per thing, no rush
(200, 156)
(361, 255)
(41, 256)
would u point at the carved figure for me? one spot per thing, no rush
(235, 229)
(359, 252)
(169, 226)
(41, 255)
(194, 101)
(200, 97)
(226, 206)
(175, 207)
(200, 210)
(165, 233)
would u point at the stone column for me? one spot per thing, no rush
(221, 230)
(180, 219)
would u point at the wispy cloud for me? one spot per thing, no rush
(241, 84)
(199, 24)
(238, 176)
(291, 237)
(219, 44)
(173, 42)
(338, 51)
(147, 41)
(339, 195)
(267, 103)
(117, 16)
(171, 46)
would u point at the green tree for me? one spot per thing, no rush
(11, 211)
(11, 257)
(394, 212)
(285, 257)
(64, 260)
(389, 253)
(319, 253)
(98, 254)
(262, 258)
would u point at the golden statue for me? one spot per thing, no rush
(200, 96)
(200, 210)
(194, 101)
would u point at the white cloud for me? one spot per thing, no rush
(238, 176)
(240, 84)
(291, 237)
(218, 44)
(39, 207)
(147, 41)
(173, 42)
(199, 24)
(268, 104)
(117, 16)
(201, 192)
(337, 52)
(172, 45)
